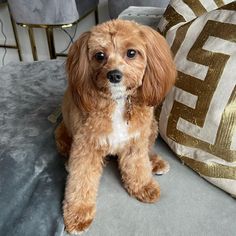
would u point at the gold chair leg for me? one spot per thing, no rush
(50, 39)
(16, 36)
(32, 43)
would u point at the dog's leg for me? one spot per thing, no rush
(159, 166)
(136, 171)
(63, 141)
(85, 168)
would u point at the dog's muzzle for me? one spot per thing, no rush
(114, 76)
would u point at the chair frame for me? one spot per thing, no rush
(17, 45)
(49, 33)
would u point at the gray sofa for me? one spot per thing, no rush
(32, 173)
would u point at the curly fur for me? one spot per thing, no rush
(100, 118)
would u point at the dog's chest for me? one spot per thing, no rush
(120, 134)
(119, 125)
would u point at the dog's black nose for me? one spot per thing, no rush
(114, 76)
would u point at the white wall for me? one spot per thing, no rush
(61, 39)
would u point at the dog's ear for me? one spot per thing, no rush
(79, 73)
(160, 72)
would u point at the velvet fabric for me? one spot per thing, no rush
(116, 7)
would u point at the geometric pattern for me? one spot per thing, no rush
(198, 117)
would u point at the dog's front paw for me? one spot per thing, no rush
(149, 193)
(159, 166)
(77, 218)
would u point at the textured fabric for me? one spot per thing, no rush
(32, 174)
(198, 118)
(49, 12)
(143, 15)
(179, 12)
(116, 7)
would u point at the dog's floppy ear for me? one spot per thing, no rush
(79, 73)
(160, 72)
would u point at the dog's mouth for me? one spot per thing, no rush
(114, 91)
(118, 91)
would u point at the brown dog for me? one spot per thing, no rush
(117, 73)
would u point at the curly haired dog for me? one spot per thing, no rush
(117, 73)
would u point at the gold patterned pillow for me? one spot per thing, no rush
(198, 117)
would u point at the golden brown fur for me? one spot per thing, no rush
(91, 104)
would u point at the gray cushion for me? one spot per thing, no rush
(143, 15)
(32, 174)
(116, 7)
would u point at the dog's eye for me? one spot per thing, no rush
(131, 53)
(100, 56)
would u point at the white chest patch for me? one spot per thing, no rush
(120, 134)
(119, 126)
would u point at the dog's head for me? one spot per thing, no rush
(118, 57)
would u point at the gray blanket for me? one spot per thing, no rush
(32, 175)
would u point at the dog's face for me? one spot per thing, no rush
(118, 57)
